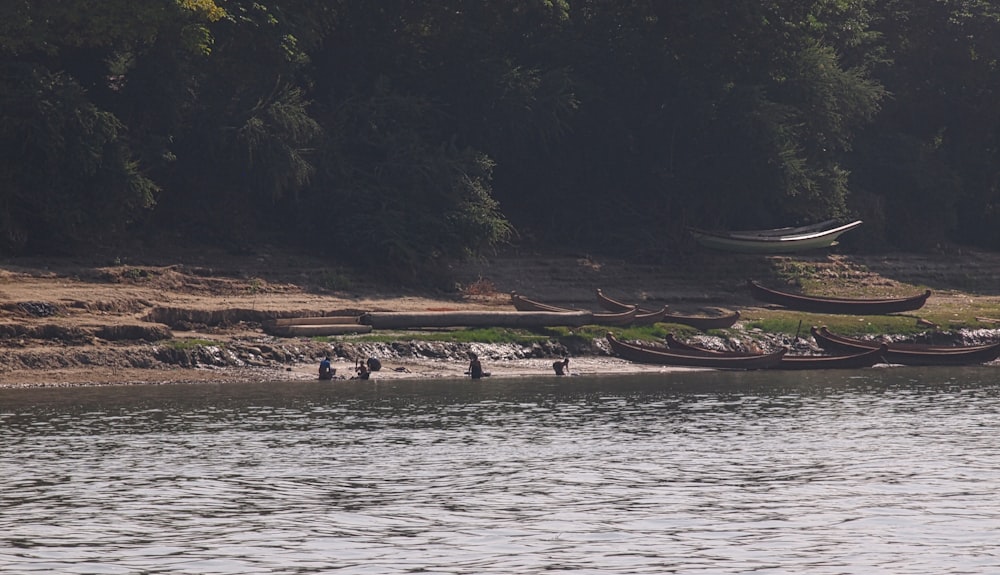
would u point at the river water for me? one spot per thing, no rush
(892, 470)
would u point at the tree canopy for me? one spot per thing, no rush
(406, 132)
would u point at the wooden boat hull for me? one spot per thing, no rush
(317, 330)
(611, 304)
(701, 322)
(834, 305)
(315, 326)
(315, 320)
(931, 355)
(858, 360)
(853, 360)
(522, 303)
(784, 240)
(643, 317)
(704, 322)
(446, 319)
(643, 354)
(616, 318)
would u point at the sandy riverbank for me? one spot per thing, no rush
(102, 322)
(412, 369)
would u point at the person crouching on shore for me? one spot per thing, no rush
(325, 370)
(363, 371)
(561, 367)
(475, 367)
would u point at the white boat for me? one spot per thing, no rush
(775, 241)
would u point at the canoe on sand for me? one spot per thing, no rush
(617, 318)
(837, 305)
(474, 318)
(702, 322)
(777, 241)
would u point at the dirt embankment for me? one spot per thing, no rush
(199, 316)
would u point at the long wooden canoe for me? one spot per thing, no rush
(772, 241)
(702, 322)
(837, 305)
(912, 354)
(645, 317)
(474, 318)
(315, 330)
(609, 303)
(663, 356)
(825, 333)
(617, 318)
(315, 320)
(522, 303)
(853, 360)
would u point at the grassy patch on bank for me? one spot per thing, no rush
(655, 332)
(191, 343)
(793, 323)
(952, 314)
(945, 317)
(474, 335)
(523, 336)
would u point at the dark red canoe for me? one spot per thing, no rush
(853, 360)
(837, 305)
(702, 322)
(663, 356)
(623, 317)
(909, 354)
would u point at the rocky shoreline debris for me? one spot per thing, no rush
(276, 353)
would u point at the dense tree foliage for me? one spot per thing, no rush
(404, 133)
(930, 162)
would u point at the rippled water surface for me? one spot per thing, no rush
(879, 471)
